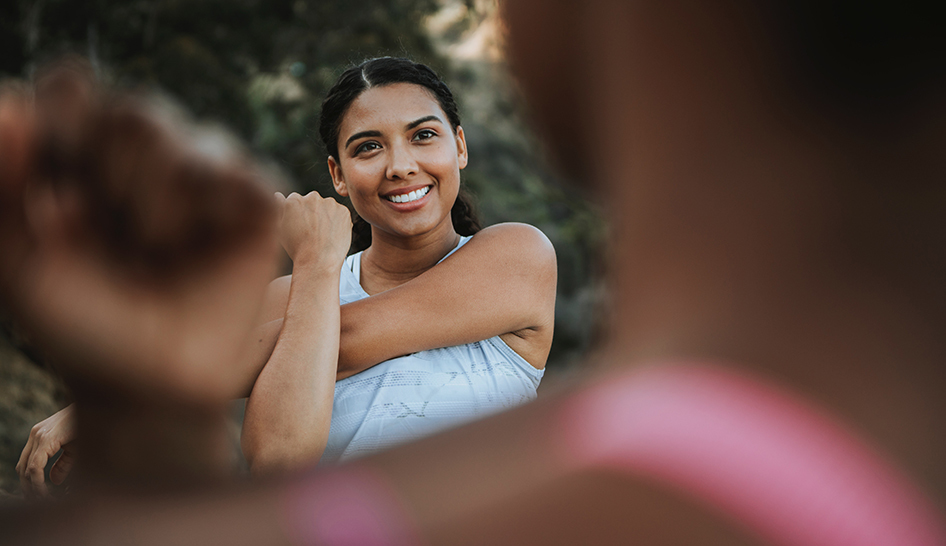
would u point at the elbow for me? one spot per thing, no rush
(268, 457)
(253, 453)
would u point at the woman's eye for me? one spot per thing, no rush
(367, 147)
(424, 134)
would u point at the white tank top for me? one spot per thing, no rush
(412, 396)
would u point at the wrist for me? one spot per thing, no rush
(317, 262)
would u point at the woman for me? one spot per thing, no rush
(468, 338)
(457, 338)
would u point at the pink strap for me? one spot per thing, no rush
(350, 507)
(782, 470)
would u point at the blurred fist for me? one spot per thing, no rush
(134, 245)
(314, 230)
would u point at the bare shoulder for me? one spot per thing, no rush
(522, 259)
(516, 243)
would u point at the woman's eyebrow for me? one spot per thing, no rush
(408, 127)
(362, 134)
(417, 122)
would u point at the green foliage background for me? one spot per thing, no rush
(260, 67)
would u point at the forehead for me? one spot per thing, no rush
(389, 107)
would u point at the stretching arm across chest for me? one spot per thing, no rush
(502, 282)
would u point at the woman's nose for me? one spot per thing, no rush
(401, 164)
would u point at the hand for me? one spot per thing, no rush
(314, 230)
(46, 438)
(135, 247)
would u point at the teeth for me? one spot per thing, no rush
(408, 197)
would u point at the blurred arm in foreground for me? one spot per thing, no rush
(136, 250)
(775, 180)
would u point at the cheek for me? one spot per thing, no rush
(446, 165)
(361, 180)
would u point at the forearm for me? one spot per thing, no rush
(259, 349)
(289, 410)
(501, 281)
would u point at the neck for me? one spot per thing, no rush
(391, 261)
(161, 446)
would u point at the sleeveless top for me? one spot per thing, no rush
(412, 396)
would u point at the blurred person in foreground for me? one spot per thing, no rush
(775, 371)
(136, 246)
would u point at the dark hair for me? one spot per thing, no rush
(377, 73)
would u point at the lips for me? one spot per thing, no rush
(413, 195)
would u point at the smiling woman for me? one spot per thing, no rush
(426, 342)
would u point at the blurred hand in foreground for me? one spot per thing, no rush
(136, 247)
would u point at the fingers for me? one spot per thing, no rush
(156, 192)
(45, 439)
(21, 465)
(35, 455)
(315, 227)
(36, 474)
(63, 466)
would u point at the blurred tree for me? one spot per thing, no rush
(259, 67)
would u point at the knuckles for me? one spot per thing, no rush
(38, 431)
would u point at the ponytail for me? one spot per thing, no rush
(465, 216)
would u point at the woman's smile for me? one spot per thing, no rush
(409, 198)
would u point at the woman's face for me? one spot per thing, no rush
(399, 160)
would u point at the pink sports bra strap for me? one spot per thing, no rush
(350, 507)
(785, 472)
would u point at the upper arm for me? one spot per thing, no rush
(502, 281)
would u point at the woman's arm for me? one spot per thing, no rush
(290, 407)
(502, 282)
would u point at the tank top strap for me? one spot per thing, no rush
(353, 262)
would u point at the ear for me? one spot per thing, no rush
(334, 169)
(462, 156)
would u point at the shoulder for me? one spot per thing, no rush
(517, 243)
